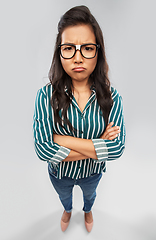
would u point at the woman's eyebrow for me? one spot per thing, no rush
(78, 44)
(68, 43)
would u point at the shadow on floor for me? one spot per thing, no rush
(105, 227)
(49, 228)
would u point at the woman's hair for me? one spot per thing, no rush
(60, 80)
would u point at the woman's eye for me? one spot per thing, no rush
(67, 49)
(89, 49)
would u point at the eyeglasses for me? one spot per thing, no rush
(88, 50)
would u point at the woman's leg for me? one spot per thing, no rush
(88, 186)
(64, 189)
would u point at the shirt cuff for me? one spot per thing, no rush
(101, 149)
(61, 154)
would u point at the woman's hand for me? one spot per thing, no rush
(111, 132)
(84, 147)
(58, 138)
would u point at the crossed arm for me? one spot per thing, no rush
(84, 148)
(56, 148)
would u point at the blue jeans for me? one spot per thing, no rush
(64, 188)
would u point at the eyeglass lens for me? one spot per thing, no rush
(87, 51)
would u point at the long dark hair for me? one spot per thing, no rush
(61, 80)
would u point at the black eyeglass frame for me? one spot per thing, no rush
(78, 47)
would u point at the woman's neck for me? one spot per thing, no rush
(81, 87)
(81, 93)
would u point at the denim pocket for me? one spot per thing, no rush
(52, 171)
(93, 174)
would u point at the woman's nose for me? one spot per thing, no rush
(78, 57)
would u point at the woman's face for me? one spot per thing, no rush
(78, 67)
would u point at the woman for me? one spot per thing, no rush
(78, 119)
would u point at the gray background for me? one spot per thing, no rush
(125, 206)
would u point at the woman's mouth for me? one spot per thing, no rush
(78, 69)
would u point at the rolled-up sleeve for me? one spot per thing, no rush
(112, 149)
(45, 147)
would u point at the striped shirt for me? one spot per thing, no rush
(89, 125)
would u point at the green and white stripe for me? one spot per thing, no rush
(89, 124)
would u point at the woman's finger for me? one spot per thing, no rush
(112, 129)
(109, 131)
(110, 125)
(113, 137)
(112, 133)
